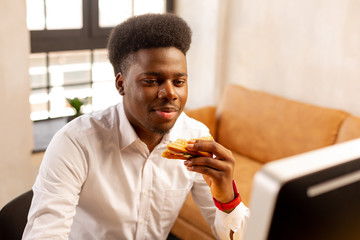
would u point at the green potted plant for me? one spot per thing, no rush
(76, 103)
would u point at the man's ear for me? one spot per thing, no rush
(120, 83)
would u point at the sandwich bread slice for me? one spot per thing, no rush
(178, 150)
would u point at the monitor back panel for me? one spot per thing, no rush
(321, 205)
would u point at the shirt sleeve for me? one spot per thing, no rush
(56, 190)
(221, 223)
(234, 221)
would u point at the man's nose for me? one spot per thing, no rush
(167, 90)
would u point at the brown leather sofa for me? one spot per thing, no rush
(259, 128)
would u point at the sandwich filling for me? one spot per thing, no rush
(178, 150)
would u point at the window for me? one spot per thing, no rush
(68, 56)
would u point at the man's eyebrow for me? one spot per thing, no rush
(159, 74)
(152, 73)
(181, 75)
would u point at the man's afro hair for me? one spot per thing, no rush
(146, 31)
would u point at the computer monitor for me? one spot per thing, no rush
(311, 196)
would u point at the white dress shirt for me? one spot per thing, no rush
(98, 180)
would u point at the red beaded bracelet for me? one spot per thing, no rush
(230, 205)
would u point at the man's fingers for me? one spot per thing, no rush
(210, 146)
(216, 164)
(206, 170)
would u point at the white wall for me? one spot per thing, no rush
(306, 50)
(15, 125)
(202, 55)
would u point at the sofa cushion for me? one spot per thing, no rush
(266, 127)
(245, 169)
(350, 129)
(186, 229)
(205, 115)
(190, 212)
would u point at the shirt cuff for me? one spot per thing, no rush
(235, 221)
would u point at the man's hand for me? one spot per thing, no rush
(218, 172)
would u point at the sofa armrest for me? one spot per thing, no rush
(350, 129)
(206, 115)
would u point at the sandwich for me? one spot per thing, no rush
(178, 150)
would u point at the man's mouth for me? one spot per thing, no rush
(167, 113)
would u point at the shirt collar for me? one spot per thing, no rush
(127, 132)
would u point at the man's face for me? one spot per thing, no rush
(154, 89)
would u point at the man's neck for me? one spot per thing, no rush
(151, 139)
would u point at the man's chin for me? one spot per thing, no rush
(161, 128)
(159, 125)
(160, 131)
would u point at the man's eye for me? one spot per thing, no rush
(150, 81)
(179, 82)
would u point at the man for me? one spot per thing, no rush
(103, 177)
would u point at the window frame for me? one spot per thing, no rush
(91, 36)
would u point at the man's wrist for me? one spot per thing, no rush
(229, 206)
